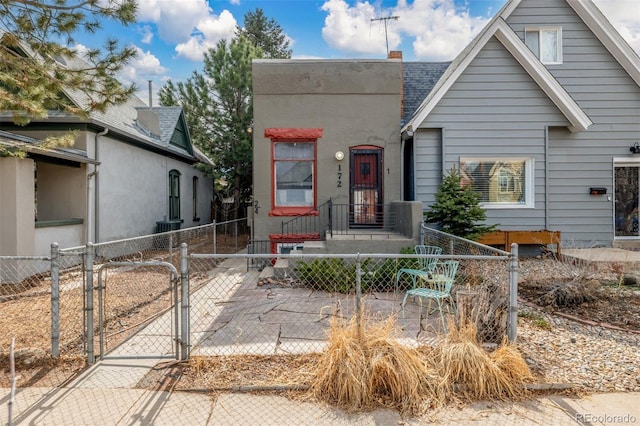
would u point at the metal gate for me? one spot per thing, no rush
(137, 311)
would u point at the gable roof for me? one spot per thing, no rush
(122, 120)
(609, 36)
(592, 17)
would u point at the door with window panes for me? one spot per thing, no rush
(366, 203)
(627, 197)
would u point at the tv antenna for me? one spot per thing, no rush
(385, 20)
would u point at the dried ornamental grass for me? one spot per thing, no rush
(472, 373)
(365, 366)
(509, 359)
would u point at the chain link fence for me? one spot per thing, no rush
(190, 294)
(288, 306)
(488, 289)
(45, 301)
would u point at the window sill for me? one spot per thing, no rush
(293, 211)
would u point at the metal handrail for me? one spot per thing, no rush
(306, 217)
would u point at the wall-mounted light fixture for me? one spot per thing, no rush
(340, 155)
(635, 148)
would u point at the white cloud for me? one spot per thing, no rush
(147, 33)
(625, 16)
(175, 19)
(208, 32)
(189, 24)
(143, 68)
(439, 28)
(350, 29)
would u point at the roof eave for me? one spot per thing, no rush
(610, 38)
(578, 120)
(549, 85)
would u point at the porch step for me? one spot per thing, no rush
(280, 268)
(366, 235)
(267, 272)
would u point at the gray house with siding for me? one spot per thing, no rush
(541, 114)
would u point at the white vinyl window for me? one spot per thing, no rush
(501, 182)
(545, 43)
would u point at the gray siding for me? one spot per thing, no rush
(427, 165)
(611, 99)
(496, 110)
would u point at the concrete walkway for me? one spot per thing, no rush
(106, 393)
(124, 406)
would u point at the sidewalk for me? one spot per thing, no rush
(85, 403)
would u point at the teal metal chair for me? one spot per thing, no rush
(426, 262)
(437, 286)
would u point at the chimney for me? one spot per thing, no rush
(151, 94)
(397, 54)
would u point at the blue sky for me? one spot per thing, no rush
(171, 35)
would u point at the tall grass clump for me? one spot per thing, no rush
(469, 371)
(366, 365)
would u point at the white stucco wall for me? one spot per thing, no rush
(16, 207)
(134, 194)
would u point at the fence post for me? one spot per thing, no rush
(235, 236)
(88, 294)
(55, 300)
(215, 238)
(171, 247)
(358, 295)
(513, 294)
(184, 317)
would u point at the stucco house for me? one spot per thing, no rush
(130, 173)
(326, 154)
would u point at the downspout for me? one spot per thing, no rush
(402, 190)
(444, 152)
(546, 177)
(88, 214)
(96, 198)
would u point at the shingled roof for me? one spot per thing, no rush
(419, 79)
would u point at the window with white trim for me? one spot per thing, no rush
(545, 43)
(293, 164)
(501, 182)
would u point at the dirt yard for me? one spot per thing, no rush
(601, 296)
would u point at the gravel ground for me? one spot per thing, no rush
(591, 358)
(580, 352)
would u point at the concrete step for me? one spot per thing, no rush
(280, 268)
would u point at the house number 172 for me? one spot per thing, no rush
(339, 182)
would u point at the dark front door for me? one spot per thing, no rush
(627, 201)
(365, 205)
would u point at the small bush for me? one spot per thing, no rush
(337, 275)
(569, 294)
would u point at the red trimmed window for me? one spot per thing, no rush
(294, 170)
